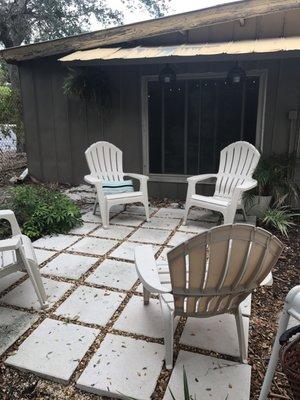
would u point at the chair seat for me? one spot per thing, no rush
(124, 195)
(218, 201)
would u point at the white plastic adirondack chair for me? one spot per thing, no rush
(210, 274)
(237, 164)
(106, 165)
(17, 254)
(291, 309)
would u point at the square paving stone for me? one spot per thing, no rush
(58, 242)
(246, 306)
(90, 217)
(209, 378)
(123, 366)
(202, 214)
(13, 323)
(91, 305)
(205, 333)
(53, 350)
(139, 210)
(10, 279)
(93, 246)
(141, 319)
(70, 266)
(113, 273)
(126, 251)
(24, 295)
(196, 226)
(113, 232)
(162, 223)
(128, 219)
(180, 237)
(146, 235)
(43, 255)
(84, 229)
(170, 213)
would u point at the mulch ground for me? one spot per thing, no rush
(267, 303)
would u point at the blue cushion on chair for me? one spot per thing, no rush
(114, 187)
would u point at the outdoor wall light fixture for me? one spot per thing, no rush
(167, 75)
(236, 75)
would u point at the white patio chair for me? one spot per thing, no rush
(237, 164)
(106, 167)
(210, 274)
(17, 254)
(291, 309)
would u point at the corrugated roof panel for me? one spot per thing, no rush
(188, 50)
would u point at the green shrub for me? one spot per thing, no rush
(42, 211)
(279, 218)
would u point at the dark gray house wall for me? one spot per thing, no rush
(59, 129)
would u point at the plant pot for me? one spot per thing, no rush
(259, 205)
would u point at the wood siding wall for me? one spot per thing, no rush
(59, 129)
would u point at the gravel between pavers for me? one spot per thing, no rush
(266, 304)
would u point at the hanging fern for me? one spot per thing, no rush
(90, 86)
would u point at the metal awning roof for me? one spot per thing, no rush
(273, 45)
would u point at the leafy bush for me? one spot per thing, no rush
(11, 114)
(279, 218)
(42, 211)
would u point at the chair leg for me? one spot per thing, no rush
(229, 216)
(147, 212)
(241, 336)
(168, 321)
(244, 212)
(95, 205)
(283, 323)
(104, 211)
(36, 280)
(146, 295)
(186, 212)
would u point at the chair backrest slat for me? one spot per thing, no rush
(237, 163)
(216, 270)
(105, 161)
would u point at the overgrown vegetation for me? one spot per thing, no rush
(11, 114)
(274, 177)
(41, 211)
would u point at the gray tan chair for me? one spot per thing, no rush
(210, 274)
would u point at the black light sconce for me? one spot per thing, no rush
(167, 75)
(236, 75)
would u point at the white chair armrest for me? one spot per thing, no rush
(13, 243)
(247, 185)
(140, 177)
(203, 177)
(10, 217)
(146, 269)
(92, 180)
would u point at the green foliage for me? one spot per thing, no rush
(42, 211)
(89, 86)
(11, 113)
(279, 218)
(35, 20)
(274, 177)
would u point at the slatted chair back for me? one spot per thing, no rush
(237, 163)
(105, 161)
(215, 271)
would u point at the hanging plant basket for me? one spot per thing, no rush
(90, 86)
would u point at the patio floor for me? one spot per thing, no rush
(97, 334)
